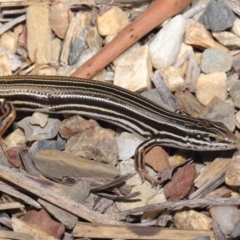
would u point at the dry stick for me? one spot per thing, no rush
(46, 193)
(157, 13)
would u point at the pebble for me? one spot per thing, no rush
(192, 220)
(57, 164)
(232, 177)
(165, 48)
(236, 232)
(217, 16)
(94, 143)
(59, 17)
(34, 133)
(227, 39)
(127, 143)
(236, 27)
(134, 73)
(15, 139)
(236, 63)
(77, 48)
(112, 21)
(56, 50)
(75, 124)
(46, 145)
(39, 119)
(219, 111)
(211, 85)
(215, 60)
(78, 193)
(93, 38)
(235, 94)
(238, 119)
(173, 77)
(42, 220)
(226, 216)
(39, 33)
(6, 67)
(198, 36)
(9, 41)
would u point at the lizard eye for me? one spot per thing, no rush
(212, 139)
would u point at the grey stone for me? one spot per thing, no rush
(219, 111)
(215, 60)
(76, 50)
(45, 145)
(217, 16)
(236, 231)
(235, 94)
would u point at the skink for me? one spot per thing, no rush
(131, 111)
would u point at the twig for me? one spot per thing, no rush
(158, 12)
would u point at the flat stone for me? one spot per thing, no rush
(211, 85)
(173, 77)
(127, 144)
(215, 60)
(236, 27)
(15, 139)
(232, 177)
(198, 36)
(227, 39)
(41, 219)
(236, 232)
(237, 115)
(166, 45)
(236, 63)
(57, 164)
(5, 69)
(192, 220)
(93, 38)
(33, 132)
(77, 47)
(39, 33)
(59, 17)
(112, 21)
(235, 94)
(226, 216)
(46, 145)
(56, 51)
(134, 73)
(94, 143)
(78, 192)
(219, 111)
(9, 41)
(39, 119)
(217, 16)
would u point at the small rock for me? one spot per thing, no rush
(15, 139)
(112, 21)
(78, 45)
(236, 232)
(41, 219)
(232, 177)
(236, 63)
(14, 157)
(236, 27)
(179, 186)
(165, 48)
(93, 38)
(59, 17)
(78, 192)
(211, 85)
(217, 16)
(56, 50)
(73, 125)
(39, 119)
(226, 216)
(33, 133)
(173, 77)
(231, 79)
(179, 157)
(157, 158)
(46, 145)
(192, 220)
(219, 111)
(56, 164)
(5, 64)
(198, 36)
(39, 33)
(235, 94)
(127, 144)
(215, 60)
(94, 143)
(9, 41)
(134, 74)
(86, 55)
(238, 119)
(227, 39)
